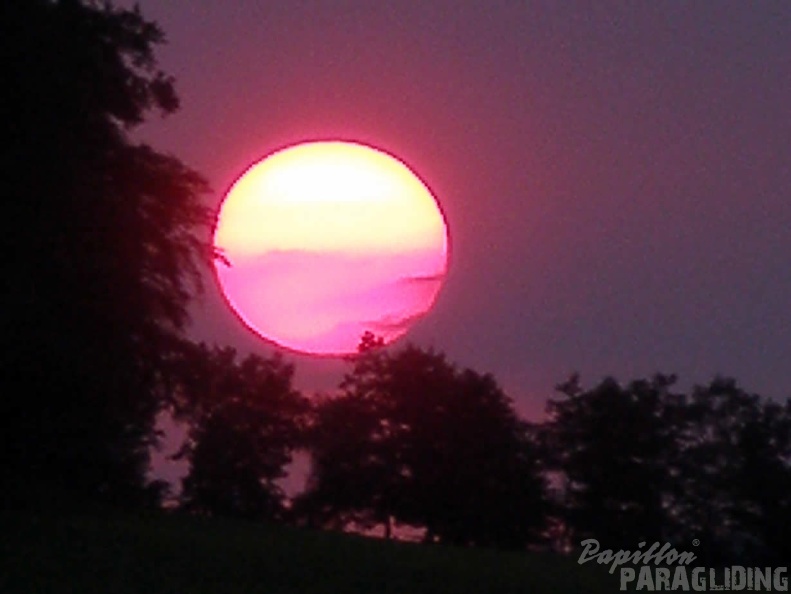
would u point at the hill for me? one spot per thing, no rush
(160, 554)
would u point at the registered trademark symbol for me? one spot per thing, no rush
(695, 542)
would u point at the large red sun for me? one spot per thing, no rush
(324, 241)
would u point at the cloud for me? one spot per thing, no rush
(317, 298)
(423, 279)
(393, 325)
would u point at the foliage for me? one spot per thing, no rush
(734, 491)
(106, 240)
(245, 421)
(613, 446)
(642, 463)
(413, 439)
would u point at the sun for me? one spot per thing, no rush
(324, 241)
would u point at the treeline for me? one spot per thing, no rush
(105, 243)
(410, 439)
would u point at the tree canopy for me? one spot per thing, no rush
(414, 440)
(107, 239)
(245, 421)
(642, 462)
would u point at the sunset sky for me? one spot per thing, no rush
(616, 176)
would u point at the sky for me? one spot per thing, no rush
(616, 176)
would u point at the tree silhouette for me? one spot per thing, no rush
(640, 462)
(765, 479)
(245, 421)
(104, 243)
(351, 445)
(614, 449)
(412, 439)
(735, 479)
(477, 480)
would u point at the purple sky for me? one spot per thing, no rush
(616, 175)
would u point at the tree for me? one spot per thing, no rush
(245, 420)
(640, 462)
(414, 440)
(105, 241)
(351, 479)
(735, 480)
(351, 444)
(613, 447)
(476, 475)
(765, 479)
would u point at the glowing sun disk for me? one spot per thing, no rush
(326, 240)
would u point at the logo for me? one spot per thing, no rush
(661, 568)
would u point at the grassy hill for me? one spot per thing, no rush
(159, 554)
